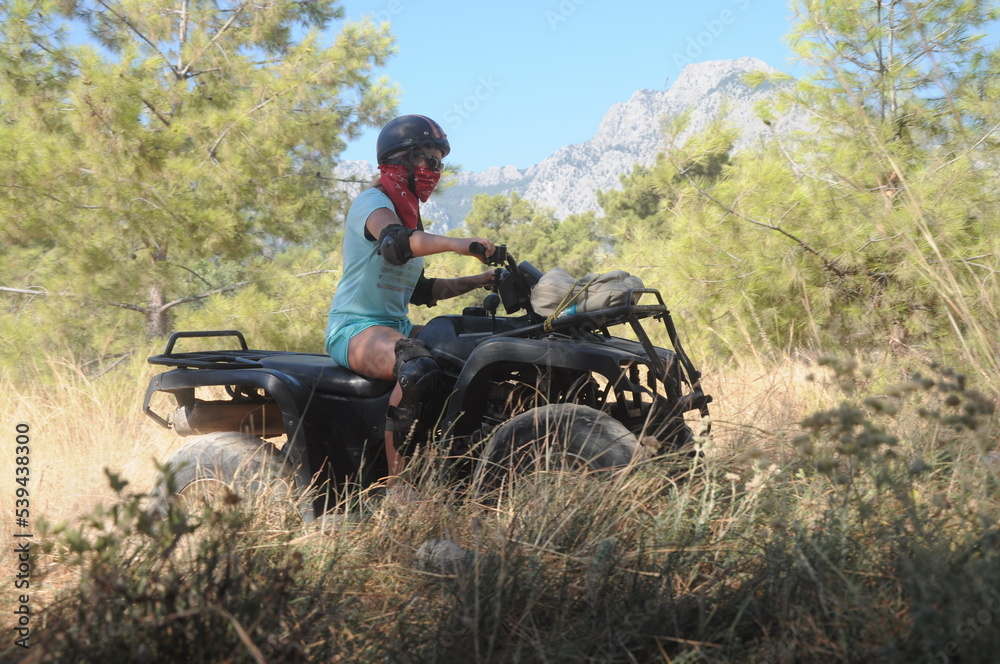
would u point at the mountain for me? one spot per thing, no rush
(630, 133)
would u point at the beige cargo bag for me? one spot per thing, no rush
(557, 293)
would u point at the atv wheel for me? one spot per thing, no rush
(555, 437)
(215, 468)
(679, 438)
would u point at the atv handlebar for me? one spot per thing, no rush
(498, 257)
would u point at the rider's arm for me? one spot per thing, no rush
(442, 289)
(426, 244)
(423, 243)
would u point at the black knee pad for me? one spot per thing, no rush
(407, 349)
(420, 377)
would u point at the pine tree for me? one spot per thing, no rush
(904, 154)
(876, 227)
(179, 142)
(575, 244)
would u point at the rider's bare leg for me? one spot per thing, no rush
(372, 352)
(396, 461)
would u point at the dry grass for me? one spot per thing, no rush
(78, 426)
(755, 552)
(755, 401)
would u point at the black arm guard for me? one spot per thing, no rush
(423, 292)
(394, 244)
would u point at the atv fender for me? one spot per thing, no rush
(476, 377)
(287, 392)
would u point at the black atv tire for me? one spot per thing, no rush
(680, 438)
(554, 437)
(215, 467)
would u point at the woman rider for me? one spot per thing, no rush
(384, 247)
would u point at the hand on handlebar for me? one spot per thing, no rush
(496, 255)
(481, 248)
(492, 279)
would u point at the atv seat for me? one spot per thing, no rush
(321, 373)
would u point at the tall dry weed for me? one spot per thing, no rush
(79, 425)
(837, 512)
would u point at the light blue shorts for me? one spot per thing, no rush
(343, 327)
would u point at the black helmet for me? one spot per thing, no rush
(411, 131)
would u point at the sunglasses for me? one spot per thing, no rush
(431, 162)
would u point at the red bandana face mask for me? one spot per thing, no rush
(395, 179)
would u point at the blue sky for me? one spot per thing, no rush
(511, 82)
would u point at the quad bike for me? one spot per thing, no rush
(508, 384)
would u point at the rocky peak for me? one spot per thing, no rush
(491, 177)
(703, 79)
(630, 133)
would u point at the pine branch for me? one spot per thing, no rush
(828, 264)
(229, 289)
(169, 305)
(124, 19)
(199, 72)
(320, 176)
(165, 120)
(215, 146)
(967, 152)
(120, 358)
(40, 192)
(185, 72)
(119, 305)
(873, 240)
(202, 296)
(45, 293)
(24, 291)
(182, 34)
(198, 276)
(793, 164)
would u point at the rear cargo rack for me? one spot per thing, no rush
(242, 358)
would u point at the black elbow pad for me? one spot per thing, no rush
(394, 244)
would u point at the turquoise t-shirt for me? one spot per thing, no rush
(370, 288)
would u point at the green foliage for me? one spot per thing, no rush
(638, 204)
(646, 202)
(875, 229)
(654, 219)
(575, 244)
(181, 134)
(283, 305)
(896, 62)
